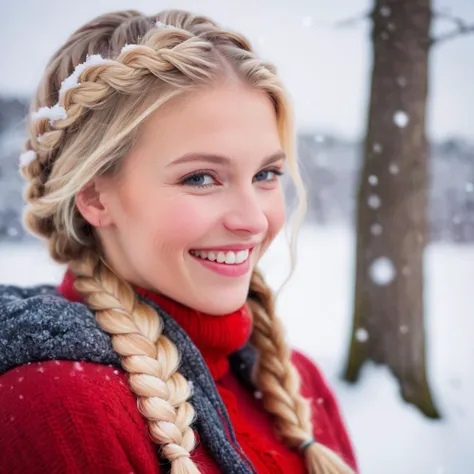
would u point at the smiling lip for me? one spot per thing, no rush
(234, 270)
(233, 247)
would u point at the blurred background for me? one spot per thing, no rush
(381, 297)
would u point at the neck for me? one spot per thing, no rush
(216, 337)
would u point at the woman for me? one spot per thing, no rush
(154, 154)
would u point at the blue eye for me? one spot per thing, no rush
(199, 180)
(268, 175)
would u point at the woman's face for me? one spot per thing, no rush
(198, 200)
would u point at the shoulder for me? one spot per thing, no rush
(86, 411)
(38, 323)
(62, 383)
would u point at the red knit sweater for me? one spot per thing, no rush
(81, 417)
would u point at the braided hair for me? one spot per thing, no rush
(83, 121)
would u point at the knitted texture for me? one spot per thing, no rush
(38, 324)
(81, 416)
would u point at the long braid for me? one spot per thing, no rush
(149, 357)
(278, 380)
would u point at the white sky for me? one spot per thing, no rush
(326, 69)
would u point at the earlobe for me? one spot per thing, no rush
(89, 202)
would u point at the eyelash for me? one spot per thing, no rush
(186, 180)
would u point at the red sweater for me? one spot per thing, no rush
(81, 417)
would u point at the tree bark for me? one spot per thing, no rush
(388, 318)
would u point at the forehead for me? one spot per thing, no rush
(229, 119)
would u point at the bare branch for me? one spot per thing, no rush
(463, 29)
(354, 20)
(458, 21)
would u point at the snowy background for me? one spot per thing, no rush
(326, 70)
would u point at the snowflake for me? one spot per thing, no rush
(362, 335)
(401, 118)
(374, 201)
(373, 180)
(376, 229)
(377, 148)
(382, 271)
(393, 168)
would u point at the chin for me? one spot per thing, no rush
(221, 303)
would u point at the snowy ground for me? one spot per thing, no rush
(390, 437)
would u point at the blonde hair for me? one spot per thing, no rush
(103, 114)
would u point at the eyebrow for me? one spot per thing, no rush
(223, 160)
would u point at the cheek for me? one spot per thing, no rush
(180, 222)
(275, 212)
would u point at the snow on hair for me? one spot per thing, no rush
(57, 111)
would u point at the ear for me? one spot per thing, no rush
(91, 203)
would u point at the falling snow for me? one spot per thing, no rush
(382, 271)
(362, 335)
(78, 366)
(329, 255)
(377, 148)
(376, 229)
(469, 187)
(385, 11)
(308, 21)
(374, 201)
(402, 81)
(393, 168)
(373, 180)
(401, 118)
(403, 329)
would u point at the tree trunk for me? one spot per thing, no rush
(392, 229)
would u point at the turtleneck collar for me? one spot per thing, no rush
(216, 337)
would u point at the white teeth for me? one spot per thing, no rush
(242, 256)
(211, 256)
(229, 258)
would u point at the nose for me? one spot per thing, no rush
(246, 214)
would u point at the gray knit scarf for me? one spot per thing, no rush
(39, 324)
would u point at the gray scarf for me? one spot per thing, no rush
(39, 324)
